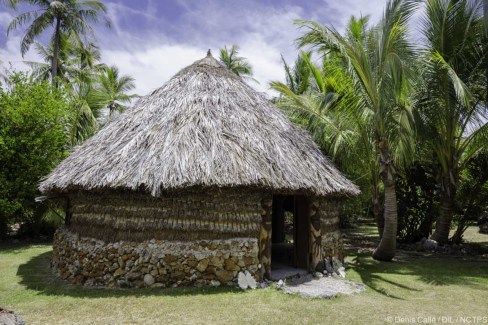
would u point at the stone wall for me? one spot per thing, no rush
(183, 216)
(332, 243)
(154, 263)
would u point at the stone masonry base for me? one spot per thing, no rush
(153, 263)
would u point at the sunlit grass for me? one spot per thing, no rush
(409, 287)
(473, 235)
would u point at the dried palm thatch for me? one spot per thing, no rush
(204, 128)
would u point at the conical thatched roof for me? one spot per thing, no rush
(204, 128)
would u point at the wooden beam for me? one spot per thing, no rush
(317, 263)
(265, 238)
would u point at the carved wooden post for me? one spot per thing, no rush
(265, 237)
(315, 236)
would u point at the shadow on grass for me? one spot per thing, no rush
(37, 275)
(21, 246)
(431, 271)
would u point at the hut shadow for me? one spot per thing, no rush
(37, 275)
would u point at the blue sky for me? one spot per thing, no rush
(151, 40)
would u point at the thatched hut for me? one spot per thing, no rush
(196, 183)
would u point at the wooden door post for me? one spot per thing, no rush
(265, 238)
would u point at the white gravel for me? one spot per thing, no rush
(326, 287)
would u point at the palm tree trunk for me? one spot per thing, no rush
(376, 200)
(378, 216)
(54, 65)
(377, 210)
(386, 249)
(446, 210)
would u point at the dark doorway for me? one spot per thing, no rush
(290, 234)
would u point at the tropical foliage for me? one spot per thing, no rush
(111, 89)
(32, 142)
(67, 16)
(377, 62)
(237, 64)
(452, 102)
(403, 120)
(76, 60)
(34, 138)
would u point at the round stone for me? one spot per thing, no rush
(148, 280)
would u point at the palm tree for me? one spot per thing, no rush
(66, 16)
(297, 77)
(83, 118)
(319, 100)
(314, 102)
(110, 90)
(89, 96)
(75, 60)
(451, 104)
(234, 62)
(379, 65)
(43, 70)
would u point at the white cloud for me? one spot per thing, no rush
(116, 12)
(263, 34)
(154, 65)
(265, 60)
(337, 13)
(5, 19)
(10, 54)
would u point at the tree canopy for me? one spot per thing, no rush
(32, 141)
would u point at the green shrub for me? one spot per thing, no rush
(417, 197)
(32, 142)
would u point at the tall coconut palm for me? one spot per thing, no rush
(316, 107)
(452, 106)
(83, 118)
(90, 96)
(237, 64)
(111, 90)
(379, 66)
(43, 70)
(323, 110)
(65, 15)
(75, 60)
(323, 107)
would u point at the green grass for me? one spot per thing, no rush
(408, 287)
(473, 235)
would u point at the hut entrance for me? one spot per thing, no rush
(289, 236)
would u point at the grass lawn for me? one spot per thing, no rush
(410, 287)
